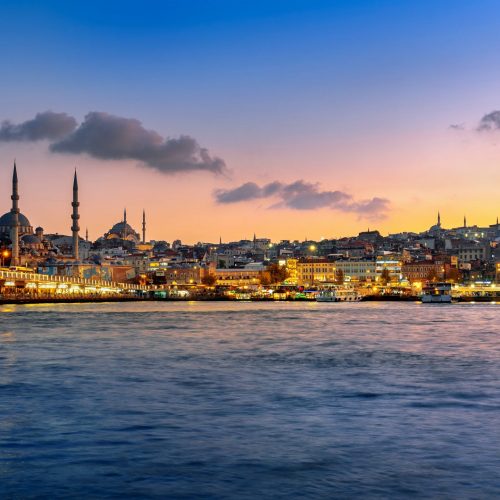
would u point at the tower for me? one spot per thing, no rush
(465, 221)
(439, 220)
(14, 235)
(143, 226)
(87, 234)
(75, 216)
(124, 230)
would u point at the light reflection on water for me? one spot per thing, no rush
(224, 400)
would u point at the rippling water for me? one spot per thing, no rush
(224, 400)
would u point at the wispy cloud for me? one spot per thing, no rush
(109, 137)
(302, 195)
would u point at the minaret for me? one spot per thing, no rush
(75, 216)
(143, 226)
(124, 223)
(14, 235)
(86, 234)
(465, 221)
(439, 220)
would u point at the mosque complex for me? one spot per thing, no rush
(32, 248)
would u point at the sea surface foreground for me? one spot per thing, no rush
(249, 400)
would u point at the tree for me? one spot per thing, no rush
(277, 273)
(385, 276)
(453, 275)
(209, 280)
(265, 278)
(339, 277)
(431, 275)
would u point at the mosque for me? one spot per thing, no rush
(123, 231)
(16, 229)
(28, 245)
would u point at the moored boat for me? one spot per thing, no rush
(437, 293)
(338, 294)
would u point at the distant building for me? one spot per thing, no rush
(123, 231)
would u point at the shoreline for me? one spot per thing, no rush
(24, 301)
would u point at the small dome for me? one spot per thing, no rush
(31, 239)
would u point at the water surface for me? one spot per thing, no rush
(248, 400)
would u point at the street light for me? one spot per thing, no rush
(5, 254)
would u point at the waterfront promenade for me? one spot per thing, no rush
(28, 287)
(20, 286)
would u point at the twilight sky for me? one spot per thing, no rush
(288, 118)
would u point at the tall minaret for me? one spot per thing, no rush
(439, 220)
(465, 221)
(75, 216)
(143, 226)
(86, 234)
(124, 223)
(14, 235)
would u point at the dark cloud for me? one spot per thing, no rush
(247, 191)
(306, 196)
(46, 125)
(490, 121)
(457, 126)
(110, 137)
(301, 195)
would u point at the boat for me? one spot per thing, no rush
(338, 294)
(437, 293)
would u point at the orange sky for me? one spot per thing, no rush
(454, 172)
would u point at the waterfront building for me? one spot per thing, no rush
(314, 271)
(239, 277)
(358, 270)
(423, 271)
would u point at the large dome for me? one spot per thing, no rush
(7, 223)
(7, 220)
(121, 228)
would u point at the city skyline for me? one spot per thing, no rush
(288, 120)
(84, 234)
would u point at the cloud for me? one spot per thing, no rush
(110, 137)
(302, 195)
(457, 126)
(45, 126)
(490, 121)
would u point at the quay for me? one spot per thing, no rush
(28, 287)
(23, 287)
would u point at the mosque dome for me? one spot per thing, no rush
(7, 223)
(7, 220)
(31, 239)
(121, 228)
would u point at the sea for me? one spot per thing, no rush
(217, 400)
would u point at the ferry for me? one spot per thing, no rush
(438, 293)
(338, 295)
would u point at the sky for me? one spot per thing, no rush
(290, 119)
